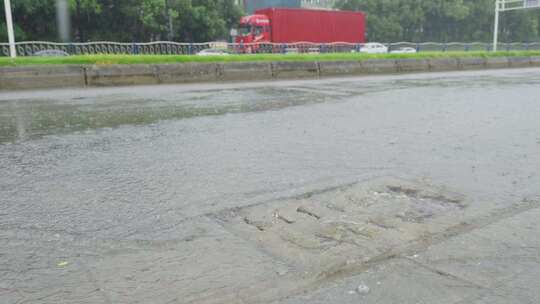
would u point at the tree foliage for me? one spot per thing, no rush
(442, 20)
(126, 20)
(207, 20)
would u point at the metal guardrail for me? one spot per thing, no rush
(29, 48)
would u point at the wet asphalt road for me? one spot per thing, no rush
(105, 166)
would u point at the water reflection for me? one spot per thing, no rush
(35, 117)
(21, 122)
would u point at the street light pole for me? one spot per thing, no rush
(169, 15)
(496, 30)
(9, 24)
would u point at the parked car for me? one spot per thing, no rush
(51, 53)
(214, 52)
(404, 50)
(374, 48)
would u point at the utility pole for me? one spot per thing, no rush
(63, 20)
(9, 25)
(171, 29)
(496, 29)
(169, 21)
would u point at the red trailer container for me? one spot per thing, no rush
(290, 25)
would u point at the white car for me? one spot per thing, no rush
(404, 50)
(214, 52)
(374, 48)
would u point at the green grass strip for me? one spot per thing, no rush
(154, 59)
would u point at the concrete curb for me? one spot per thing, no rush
(379, 66)
(295, 69)
(40, 77)
(497, 63)
(412, 65)
(187, 72)
(61, 76)
(471, 63)
(519, 62)
(117, 75)
(535, 61)
(337, 68)
(236, 71)
(443, 64)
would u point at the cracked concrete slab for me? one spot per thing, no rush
(504, 257)
(261, 253)
(496, 263)
(207, 264)
(398, 281)
(347, 225)
(256, 193)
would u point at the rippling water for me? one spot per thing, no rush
(134, 162)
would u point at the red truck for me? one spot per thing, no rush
(290, 25)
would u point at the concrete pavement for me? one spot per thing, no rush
(419, 188)
(495, 263)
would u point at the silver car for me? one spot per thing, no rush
(404, 50)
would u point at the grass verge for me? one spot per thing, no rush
(154, 59)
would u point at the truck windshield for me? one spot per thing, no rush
(244, 29)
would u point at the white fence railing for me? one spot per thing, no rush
(30, 48)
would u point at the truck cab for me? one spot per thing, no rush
(253, 29)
